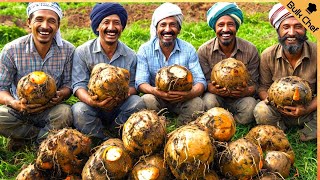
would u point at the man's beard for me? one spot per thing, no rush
(226, 42)
(293, 48)
(110, 43)
(167, 44)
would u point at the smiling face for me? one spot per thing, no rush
(167, 31)
(43, 24)
(292, 35)
(110, 29)
(226, 30)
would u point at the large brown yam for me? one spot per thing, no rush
(37, 88)
(289, 91)
(109, 81)
(218, 122)
(65, 151)
(230, 73)
(174, 78)
(242, 159)
(110, 161)
(188, 152)
(144, 132)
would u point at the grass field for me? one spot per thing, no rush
(255, 29)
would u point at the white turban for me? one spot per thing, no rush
(163, 11)
(53, 6)
(277, 14)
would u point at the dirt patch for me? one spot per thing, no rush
(193, 12)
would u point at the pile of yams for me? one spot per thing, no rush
(200, 150)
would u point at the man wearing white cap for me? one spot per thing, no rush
(292, 56)
(165, 49)
(41, 50)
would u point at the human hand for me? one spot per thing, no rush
(291, 111)
(214, 88)
(108, 104)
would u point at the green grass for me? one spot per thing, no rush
(256, 29)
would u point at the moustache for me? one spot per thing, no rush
(168, 33)
(49, 30)
(225, 32)
(111, 31)
(300, 38)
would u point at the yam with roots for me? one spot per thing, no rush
(174, 78)
(144, 132)
(289, 91)
(31, 173)
(218, 122)
(242, 159)
(278, 162)
(188, 152)
(109, 81)
(37, 87)
(230, 73)
(110, 161)
(150, 168)
(271, 138)
(65, 151)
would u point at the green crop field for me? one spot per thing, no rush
(255, 29)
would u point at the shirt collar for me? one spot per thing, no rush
(32, 48)
(158, 48)
(216, 46)
(120, 48)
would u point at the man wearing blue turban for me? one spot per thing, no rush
(90, 117)
(225, 19)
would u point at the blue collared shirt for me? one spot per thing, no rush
(151, 60)
(20, 57)
(91, 53)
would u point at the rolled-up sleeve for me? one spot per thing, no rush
(195, 68)
(80, 71)
(7, 70)
(265, 78)
(67, 79)
(142, 73)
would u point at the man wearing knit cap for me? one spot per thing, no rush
(292, 56)
(41, 50)
(225, 19)
(165, 49)
(108, 20)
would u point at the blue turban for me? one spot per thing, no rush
(102, 10)
(220, 9)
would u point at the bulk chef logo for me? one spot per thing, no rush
(312, 8)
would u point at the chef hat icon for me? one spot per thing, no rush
(312, 7)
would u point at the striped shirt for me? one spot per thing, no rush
(91, 53)
(274, 65)
(20, 57)
(151, 60)
(210, 54)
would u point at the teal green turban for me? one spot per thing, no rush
(220, 9)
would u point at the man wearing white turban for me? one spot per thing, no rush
(165, 49)
(42, 50)
(292, 56)
(225, 19)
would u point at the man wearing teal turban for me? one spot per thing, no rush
(225, 19)
(221, 9)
